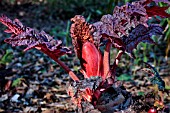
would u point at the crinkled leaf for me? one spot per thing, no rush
(141, 34)
(105, 28)
(129, 16)
(124, 18)
(81, 32)
(31, 38)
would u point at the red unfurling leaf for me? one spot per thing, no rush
(157, 11)
(91, 60)
(22, 35)
(85, 48)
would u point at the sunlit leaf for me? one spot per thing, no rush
(7, 58)
(17, 82)
(141, 93)
(124, 77)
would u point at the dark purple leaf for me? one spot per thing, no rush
(129, 16)
(106, 26)
(140, 34)
(105, 29)
(22, 35)
(119, 24)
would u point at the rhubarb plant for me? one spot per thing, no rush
(124, 30)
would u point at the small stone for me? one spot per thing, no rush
(15, 98)
(3, 98)
(29, 93)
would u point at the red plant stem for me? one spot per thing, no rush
(116, 62)
(106, 60)
(72, 75)
(65, 67)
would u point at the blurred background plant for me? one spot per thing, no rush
(66, 9)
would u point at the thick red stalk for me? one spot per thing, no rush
(106, 60)
(72, 75)
(51, 55)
